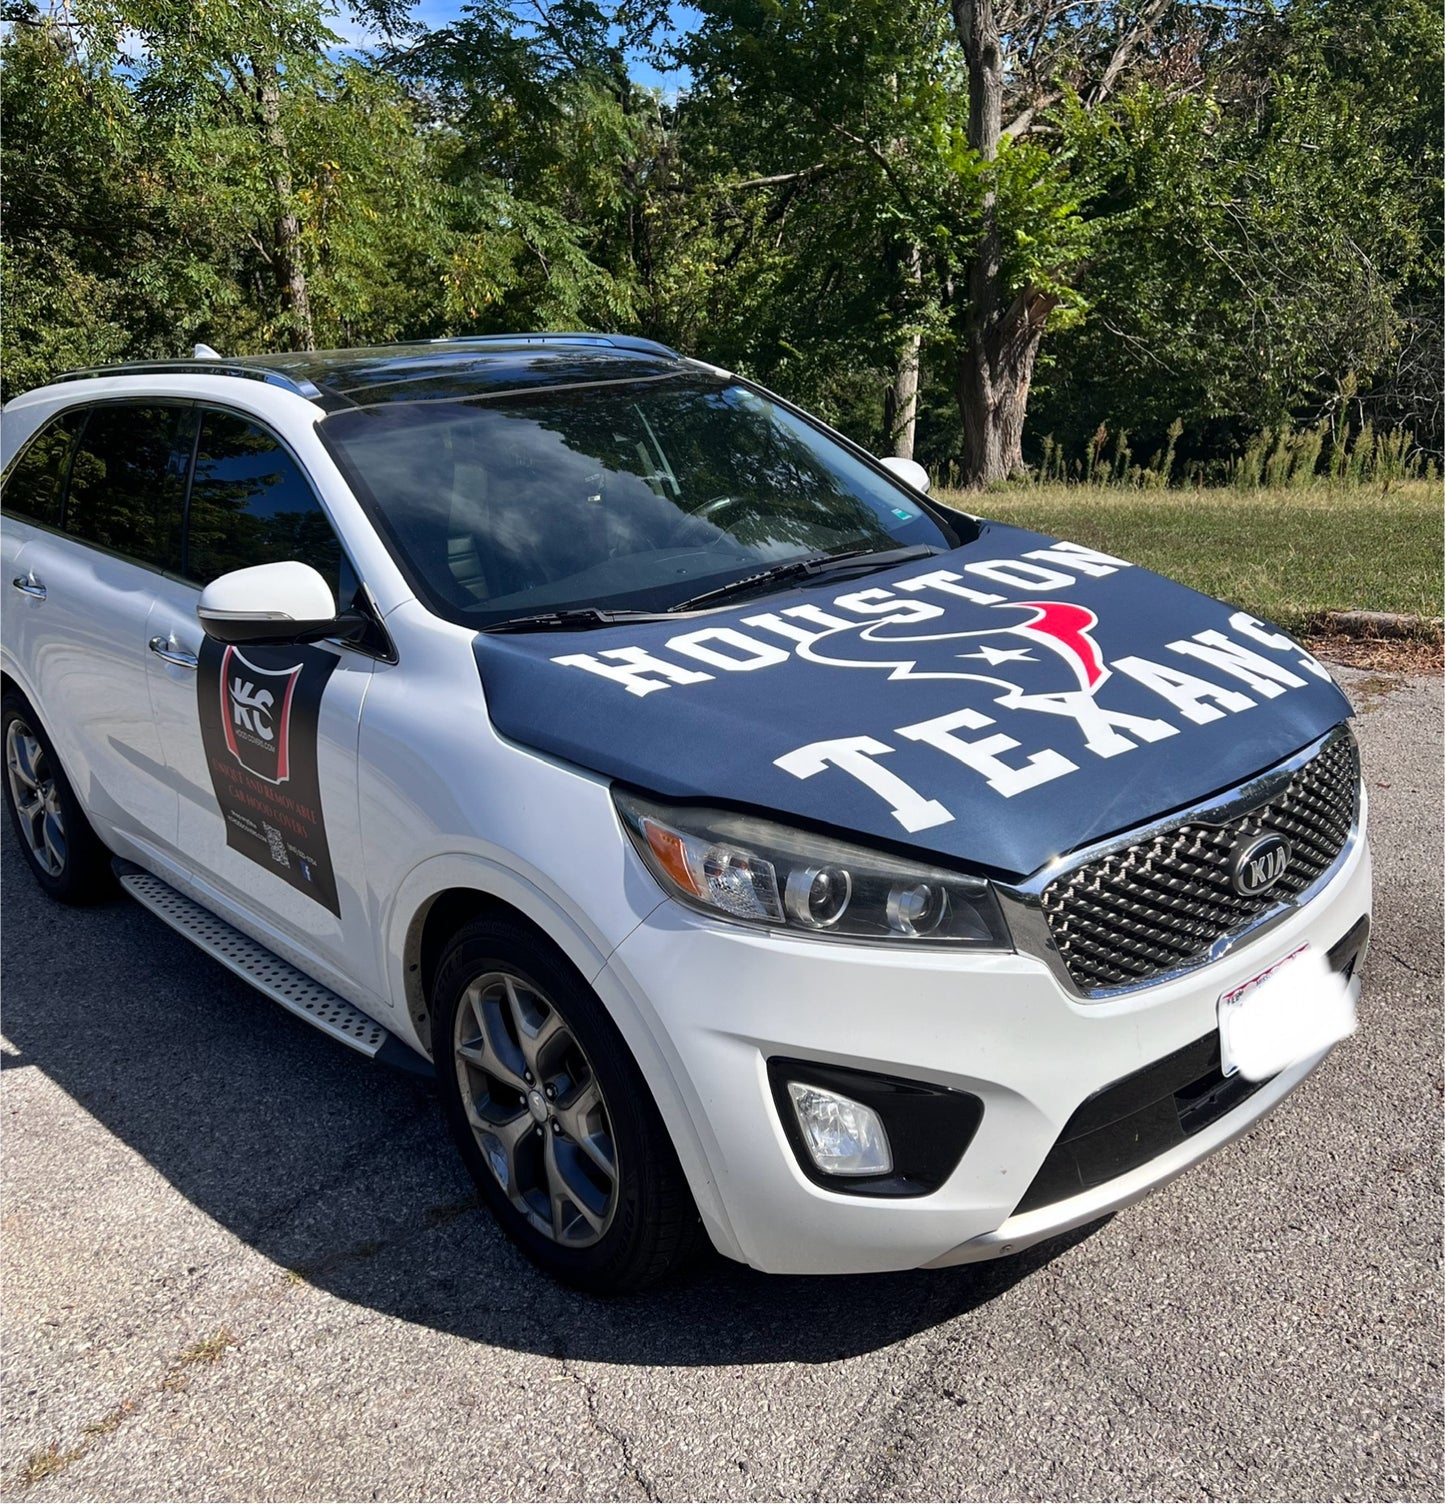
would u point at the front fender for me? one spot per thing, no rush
(634, 1016)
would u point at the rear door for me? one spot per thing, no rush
(87, 583)
(31, 503)
(261, 743)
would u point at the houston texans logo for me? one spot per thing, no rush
(1050, 651)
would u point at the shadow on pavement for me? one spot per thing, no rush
(341, 1173)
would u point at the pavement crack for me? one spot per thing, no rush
(619, 1438)
(880, 1471)
(315, 1271)
(363, 1154)
(884, 1470)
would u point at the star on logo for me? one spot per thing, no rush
(994, 656)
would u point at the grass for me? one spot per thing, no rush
(45, 1462)
(207, 1350)
(111, 1420)
(1287, 555)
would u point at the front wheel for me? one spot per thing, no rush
(63, 852)
(552, 1115)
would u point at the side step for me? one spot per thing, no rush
(267, 972)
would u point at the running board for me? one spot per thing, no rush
(266, 971)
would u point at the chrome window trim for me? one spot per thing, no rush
(1023, 907)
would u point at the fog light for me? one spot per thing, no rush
(843, 1136)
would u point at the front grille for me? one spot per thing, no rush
(1158, 906)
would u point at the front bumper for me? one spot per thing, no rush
(1024, 1229)
(720, 1001)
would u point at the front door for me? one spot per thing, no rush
(261, 742)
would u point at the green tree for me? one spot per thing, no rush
(1270, 244)
(946, 122)
(174, 195)
(1128, 212)
(79, 212)
(835, 135)
(542, 147)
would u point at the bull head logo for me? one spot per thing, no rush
(1050, 651)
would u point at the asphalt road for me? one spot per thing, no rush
(239, 1262)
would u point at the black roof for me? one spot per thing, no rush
(433, 370)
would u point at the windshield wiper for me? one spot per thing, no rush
(803, 569)
(586, 618)
(578, 619)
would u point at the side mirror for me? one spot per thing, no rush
(910, 472)
(275, 603)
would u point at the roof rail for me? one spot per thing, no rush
(300, 385)
(616, 341)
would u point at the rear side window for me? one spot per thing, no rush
(126, 482)
(33, 489)
(250, 504)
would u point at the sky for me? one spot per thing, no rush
(436, 13)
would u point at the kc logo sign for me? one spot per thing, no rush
(256, 715)
(259, 714)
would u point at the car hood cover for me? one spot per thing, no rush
(996, 706)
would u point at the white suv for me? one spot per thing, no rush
(753, 846)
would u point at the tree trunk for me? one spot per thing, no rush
(995, 370)
(900, 407)
(997, 344)
(286, 263)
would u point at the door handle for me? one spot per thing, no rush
(27, 584)
(164, 647)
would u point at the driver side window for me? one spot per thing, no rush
(250, 504)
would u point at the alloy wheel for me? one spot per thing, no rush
(536, 1108)
(36, 798)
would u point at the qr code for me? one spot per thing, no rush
(277, 845)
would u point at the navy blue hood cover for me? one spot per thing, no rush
(996, 706)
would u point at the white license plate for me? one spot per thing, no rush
(1305, 1008)
(1232, 1003)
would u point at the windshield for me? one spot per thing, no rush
(635, 494)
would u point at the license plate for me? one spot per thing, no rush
(1305, 1008)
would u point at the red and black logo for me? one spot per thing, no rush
(1050, 651)
(260, 715)
(256, 715)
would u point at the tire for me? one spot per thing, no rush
(553, 1117)
(63, 852)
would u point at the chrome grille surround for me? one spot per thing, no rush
(1156, 903)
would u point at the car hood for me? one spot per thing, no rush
(995, 706)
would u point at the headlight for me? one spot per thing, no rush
(752, 870)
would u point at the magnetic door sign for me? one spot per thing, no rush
(259, 711)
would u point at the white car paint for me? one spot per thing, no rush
(424, 797)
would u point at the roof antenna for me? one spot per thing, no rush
(204, 352)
